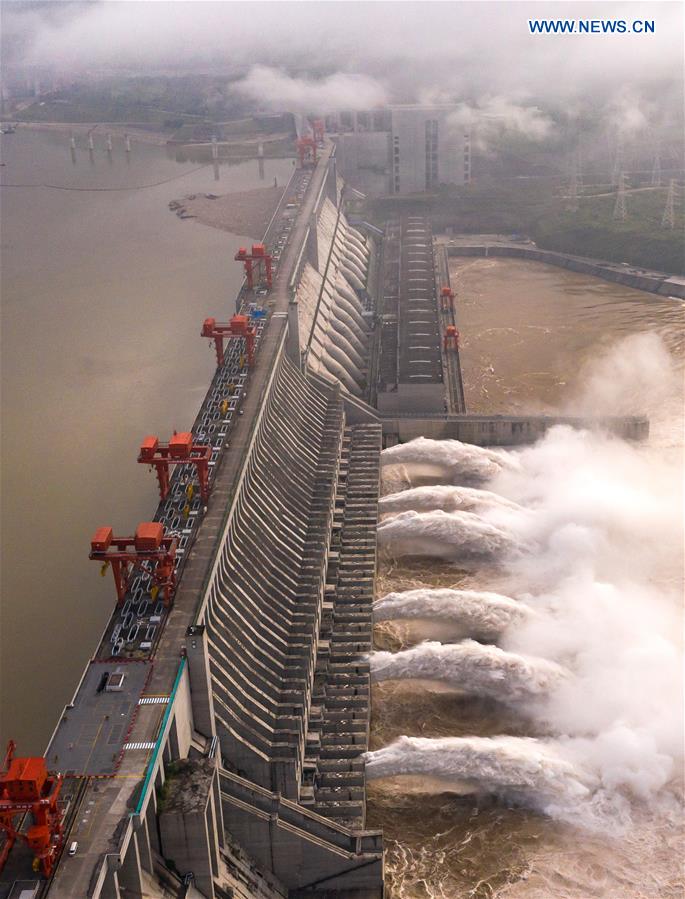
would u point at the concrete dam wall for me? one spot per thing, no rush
(264, 604)
(288, 623)
(503, 430)
(243, 767)
(332, 329)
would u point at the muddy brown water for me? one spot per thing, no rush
(528, 332)
(104, 291)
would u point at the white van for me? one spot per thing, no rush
(73, 848)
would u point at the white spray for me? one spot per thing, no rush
(517, 768)
(460, 462)
(455, 536)
(600, 563)
(474, 613)
(471, 667)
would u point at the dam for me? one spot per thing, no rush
(224, 754)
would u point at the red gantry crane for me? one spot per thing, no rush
(27, 788)
(253, 262)
(306, 150)
(238, 328)
(451, 338)
(180, 450)
(126, 554)
(317, 129)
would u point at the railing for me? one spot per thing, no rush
(163, 730)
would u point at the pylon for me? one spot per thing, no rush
(620, 212)
(617, 167)
(668, 220)
(579, 168)
(573, 187)
(656, 167)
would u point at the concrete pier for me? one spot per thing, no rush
(503, 430)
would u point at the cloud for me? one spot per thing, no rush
(491, 116)
(466, 50)
(308, 57)
(278, 90)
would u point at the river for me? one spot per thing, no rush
(598, 562)
(104, 291)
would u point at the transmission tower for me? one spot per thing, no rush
(656, 167)
(573, 188)
(617, 168)
(668, 220)
(573, 192)
(579, 167)
(620, 213)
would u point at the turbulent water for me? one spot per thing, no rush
(470, 613)
(448, 535)
(441, 496)
(517, 768)
(470, 667)
(527, 738)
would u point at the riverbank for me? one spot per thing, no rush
(247, 212)
(540, 209)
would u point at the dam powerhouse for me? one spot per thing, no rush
(215, 743)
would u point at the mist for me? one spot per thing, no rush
(599, 573)
(322, 57)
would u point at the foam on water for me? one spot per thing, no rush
(518, 768)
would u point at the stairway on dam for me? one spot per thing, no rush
(342, 689)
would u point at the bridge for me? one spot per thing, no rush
(214, 745)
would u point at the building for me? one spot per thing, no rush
(405, 150)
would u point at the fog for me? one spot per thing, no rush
(324, 56)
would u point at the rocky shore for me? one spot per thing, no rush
(245, 213)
